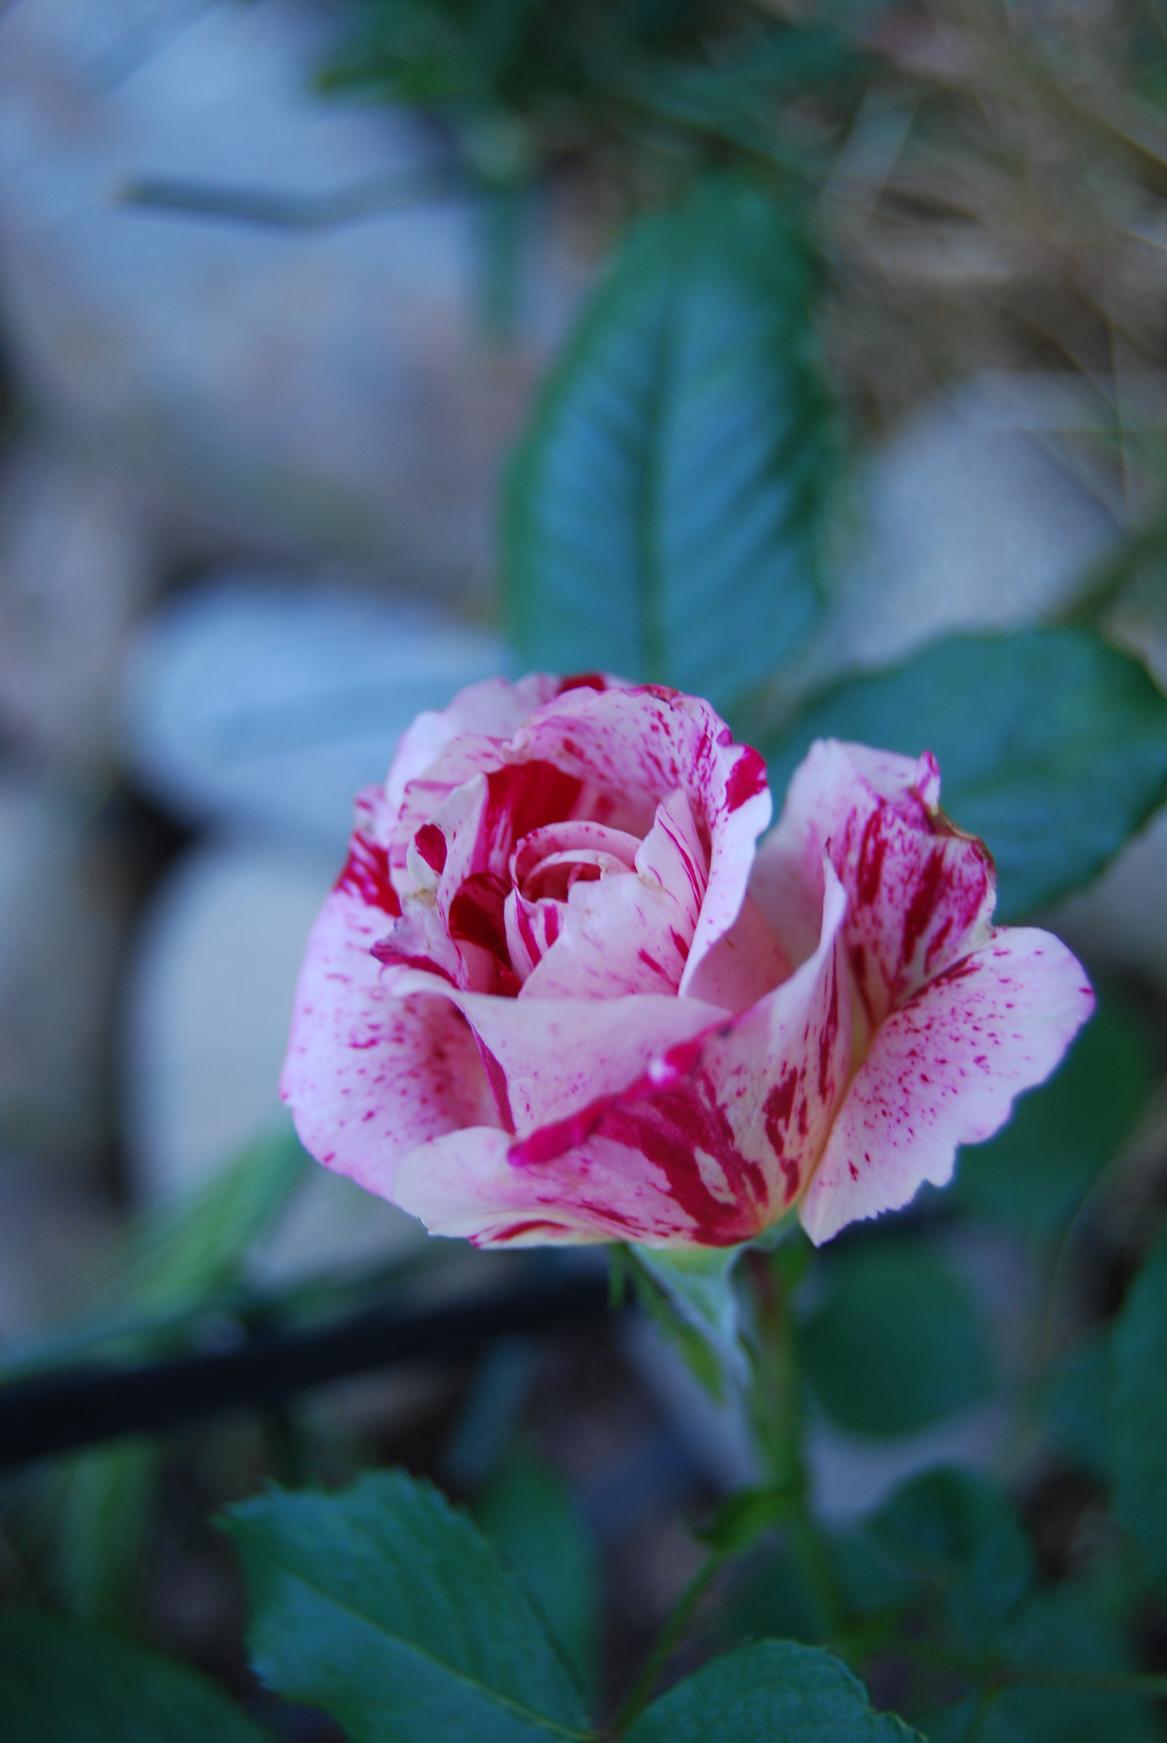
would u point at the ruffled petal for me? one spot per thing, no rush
(640, 744)
(369, 1076)
(706, 1145)
(943, 1071)
(920, 893)
(551, 1056)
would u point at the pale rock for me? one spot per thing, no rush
(63, 916)
(76, 566)
(969, 518)
(208, 1010)
(256, 702)
(326, 387)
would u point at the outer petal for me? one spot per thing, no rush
(493, 709)
(920, 893)
(943, 1071)
(549, 1057)
(706, 1146)
(369, 1076)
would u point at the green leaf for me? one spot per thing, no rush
(63, 1682)
(534, 1521)
(1073, 1629)
(1052, 745)
(946, 1545)
(665, 509)
(1034, 1174)
(93, 1510)
(896, 1342)
(770, 1692)
(1139, 1413)
(1076, 1398)
(388, 1609)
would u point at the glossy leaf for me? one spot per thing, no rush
(64, 1682)
(946, 1546)
(896, 1342)
(1052, 746)
(770, 1692)
(665, 509)
(387, 1608)
(534, 1521)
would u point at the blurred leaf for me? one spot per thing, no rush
(534, 1521)
(1072, 1628)
(1139, 1413)
(1033, 1175)
(65, 1683)
(946, 1545)
(896, 1342)
(665, 510)
(1076, 1398)
(976, 1720)
(1052, 745)
(93, 1509)
(736, 99)
(743, 1517)
(768, 1692)
(385, 1607)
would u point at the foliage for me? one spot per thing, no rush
(683, 452)
(64, 1681)
(896, 1341)
(1052, 746)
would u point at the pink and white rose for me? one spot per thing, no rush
(559, 991)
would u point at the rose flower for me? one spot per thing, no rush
(559, 991)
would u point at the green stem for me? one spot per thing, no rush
(780, 1430)
(666, 1641)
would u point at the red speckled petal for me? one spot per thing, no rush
(920, 893)
(631, 930)
(368, 1076)
(707, 1145)
(556, 1055)
(943, 1071)
(641, 744)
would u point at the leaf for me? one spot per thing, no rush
(770, 1692)
(63, 1682)
(1052, 745)
(1076, 1400)
(1034, 1174)
(94, 1509)
(665, 509)
(897, 1341)
(1073, 1629)
(532, 1518)
(388, 1609)
(1138, 1415)
(947, 1545)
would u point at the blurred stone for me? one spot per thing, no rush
(325, 386)
(76, 564)
(968, 519)
(259, 703)
(208, 1010)
(63, 911)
